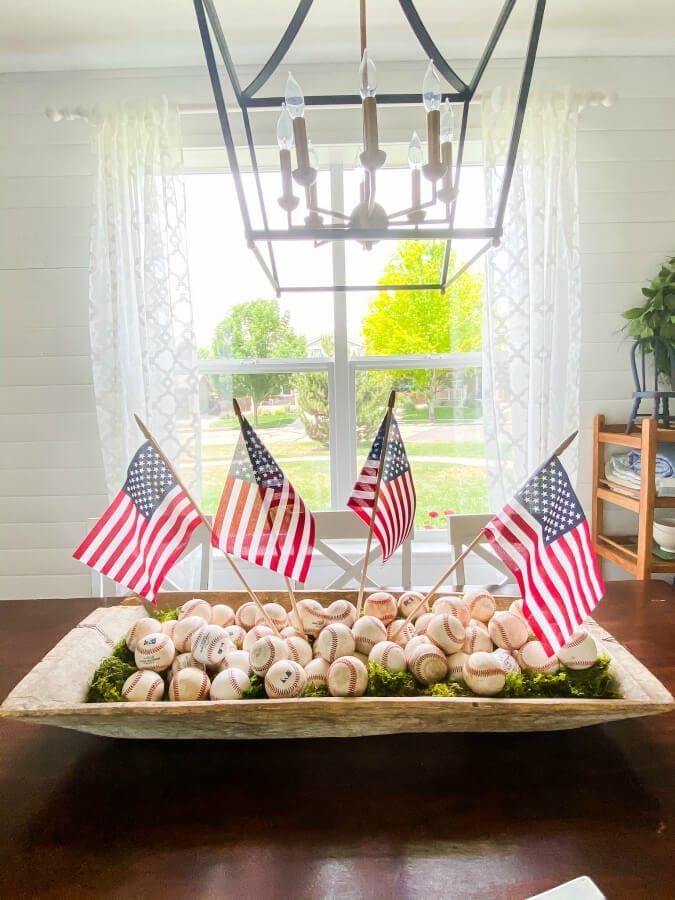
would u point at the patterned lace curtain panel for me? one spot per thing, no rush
(532, 317)
(143, 345)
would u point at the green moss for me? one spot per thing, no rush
(108, 680)
(390, 684)
(596, 682)
(448, 689)
(257, 689)
(166, 615)
(316, 690)
(122, 652)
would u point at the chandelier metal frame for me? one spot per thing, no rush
(341, 227)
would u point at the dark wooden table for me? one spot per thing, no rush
(411, 816)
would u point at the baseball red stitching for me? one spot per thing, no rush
(482, 673)
(579, 639)
(417, 663)
(148, 651)
(233, 681)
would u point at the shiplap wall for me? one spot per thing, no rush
(51, 479)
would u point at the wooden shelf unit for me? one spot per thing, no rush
(632, 552)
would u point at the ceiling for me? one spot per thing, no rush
(37, 35)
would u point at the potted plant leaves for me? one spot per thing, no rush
(656, 317)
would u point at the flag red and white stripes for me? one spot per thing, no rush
(261, 518)
(395, 511)
(144, 530)
(543, 537)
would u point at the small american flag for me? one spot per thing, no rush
(144, 530)
(396, 503)
(543, 537)
(260, 516)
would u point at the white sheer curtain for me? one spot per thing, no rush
(532, 327)
(143, 346)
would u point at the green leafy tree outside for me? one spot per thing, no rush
(420, 322)
(257, 329)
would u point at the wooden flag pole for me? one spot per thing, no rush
(376, 497)
(289, 587)
(557, 452)
(249, 590)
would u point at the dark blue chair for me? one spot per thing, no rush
(660, 349)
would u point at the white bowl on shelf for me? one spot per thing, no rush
(664, 534)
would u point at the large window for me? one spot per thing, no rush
(312, 371)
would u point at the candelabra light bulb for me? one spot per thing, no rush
(367, 76)
(295, 99)
(447, 122)
(313, 155)
(415, 156)
(284, 129)
(431, 88)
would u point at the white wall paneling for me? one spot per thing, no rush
(51, 479)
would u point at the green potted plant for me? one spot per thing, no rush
(656, 317)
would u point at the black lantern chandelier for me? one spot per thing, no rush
(368, 222)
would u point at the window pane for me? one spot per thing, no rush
(444, 441)
(291, 422)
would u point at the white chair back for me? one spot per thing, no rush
(461, 531)
(335, 529)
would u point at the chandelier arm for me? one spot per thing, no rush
(520, 113)
(276, 287)
(329, 288)
(222, 112)
(210, 9)
(430, 47)
(458, 171)
(467, 265)
(280, 50)
(261, 200)
(396, 233)
(499, 26)
(404, 212)
(329, 212)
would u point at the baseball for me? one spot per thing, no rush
(477, 639)
(285, 678)
(236, 659)
(533, 658)
(185, 630)
(317, 672)
(196, 607)
(447, 632)
(580, 652)
(347, 677)
(236, 634)
(428, 664)
(210, 644)
(340, 612)
(140, 629)
(311, 616)
(189, 684)
(222, 615)
(183, 661)
(456, 666)
(417, 641)
(335, 641)
(410, 600)
(154, 651)
(299, 650)
(484, 674)
(169, 627)
(508, 631)
(422, 623)
(290, 631)
(454, 606)
(245, 615)
(254, 635)
(367, 632)
(516, 607)
(266, 651)
(509, 662)
(382, 605)
(388, 655)
(275, 612)
(400, 633)
(481, 604)
(229, 684)
(143, 686)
